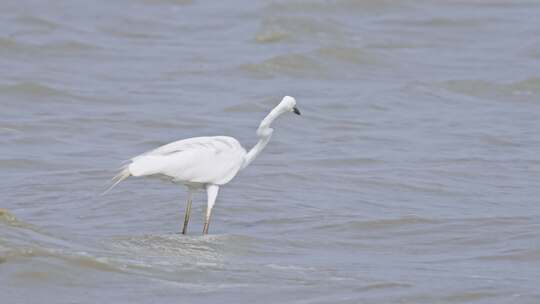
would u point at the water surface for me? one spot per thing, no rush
(412, 176)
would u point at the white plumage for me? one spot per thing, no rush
(203, 162)
(198, 160)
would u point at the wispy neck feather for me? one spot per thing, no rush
(264, 132)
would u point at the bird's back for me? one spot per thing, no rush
(198, 160)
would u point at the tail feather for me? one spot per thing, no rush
(122, 175)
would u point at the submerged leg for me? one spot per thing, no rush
(211, 193)
(188, 213)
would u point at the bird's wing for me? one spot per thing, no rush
(199, 160)
(182, 145)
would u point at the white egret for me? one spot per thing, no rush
(203, 162)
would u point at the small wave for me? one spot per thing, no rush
(290, 64)
(171, 2)
(349, 55)
(10, 44)
(129, 33)
(37, 22)
(12, 131)
(497, 220)
(444, 22)
(33, 89)
(22, 163)
(380, 224)
(9, 219)
(344, 161)
(515, 255)
(395, 45)
(278, 29)
(383, 285)
(68, 47)
(81, 259)
(272, 35)
(244, 107)
(291, 267)
(25, 241)
(207, 247)
(59, 48)
(159, 124)
(284, 175)
(472, 296)
(321, 63)
(318, 6)
(524, 90)
(414, 186)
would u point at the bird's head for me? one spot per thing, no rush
(289, 103)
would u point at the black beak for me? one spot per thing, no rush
(296, 111)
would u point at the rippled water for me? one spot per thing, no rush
(412, 176)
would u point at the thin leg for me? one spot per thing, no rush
(211, 193)
(188, 213)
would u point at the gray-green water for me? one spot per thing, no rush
(412, 176)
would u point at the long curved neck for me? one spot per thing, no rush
(264, 132)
